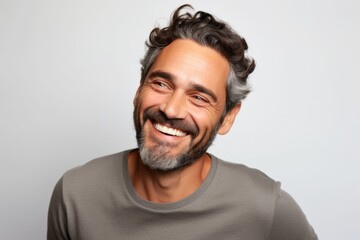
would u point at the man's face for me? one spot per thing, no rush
(178, 109)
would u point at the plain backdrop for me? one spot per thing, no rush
(69, 70)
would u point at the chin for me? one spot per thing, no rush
(160, 159)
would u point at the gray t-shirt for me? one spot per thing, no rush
(98, 201)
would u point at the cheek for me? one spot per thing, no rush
(148, 98)
(205, 120)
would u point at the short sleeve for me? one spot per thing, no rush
(289, 222)
(57, 223)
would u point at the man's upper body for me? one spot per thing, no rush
(99, 201)
(194, 77)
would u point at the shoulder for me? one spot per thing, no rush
(242, 176)
(264, 197)
(248, 187)
(96, 175)
(96, 167)
(289, 220)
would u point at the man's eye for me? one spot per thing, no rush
(159, 84)
(200, 100)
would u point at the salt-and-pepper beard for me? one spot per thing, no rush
(157, 157)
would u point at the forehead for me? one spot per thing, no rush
(191, 63)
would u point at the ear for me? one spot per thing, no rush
(229, 120)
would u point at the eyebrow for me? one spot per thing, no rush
(205, 90)
(165, 75)
(195, 86)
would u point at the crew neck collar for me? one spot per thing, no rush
(166, 206)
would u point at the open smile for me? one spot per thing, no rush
(169, 131)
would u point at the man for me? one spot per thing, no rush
(194, 77)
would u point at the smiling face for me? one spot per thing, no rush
(178, 108)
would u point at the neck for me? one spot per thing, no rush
(166, 187)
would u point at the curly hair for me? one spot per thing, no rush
(207, 31)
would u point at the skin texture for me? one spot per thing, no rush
(187, 84)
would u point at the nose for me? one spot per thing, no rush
(174, 106)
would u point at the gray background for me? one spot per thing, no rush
(69, 70)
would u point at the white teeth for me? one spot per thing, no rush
(170, 131)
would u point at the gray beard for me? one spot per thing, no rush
(158, 158)
(158, 161)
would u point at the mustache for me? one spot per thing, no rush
(182, 125)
